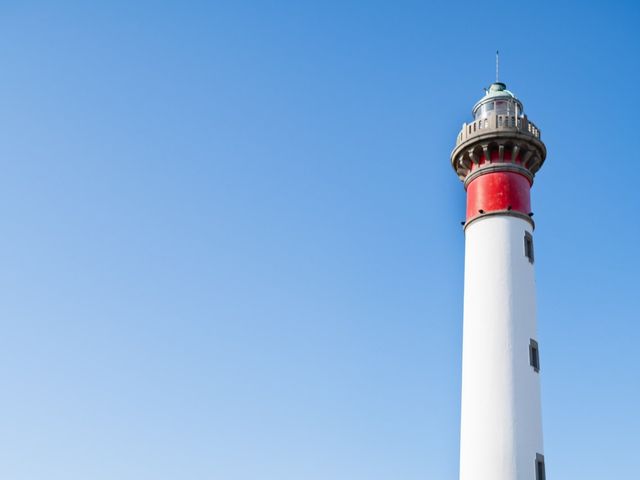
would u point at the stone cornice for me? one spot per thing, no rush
(500, 134)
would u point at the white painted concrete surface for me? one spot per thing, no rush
(501, 425)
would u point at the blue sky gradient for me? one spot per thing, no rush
(231, 242)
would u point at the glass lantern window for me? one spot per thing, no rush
(506, 107)
(484, 110)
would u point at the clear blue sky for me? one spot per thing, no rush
(231, 242)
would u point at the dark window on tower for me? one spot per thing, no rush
(528, 246)
(534, 355)
(540, 474)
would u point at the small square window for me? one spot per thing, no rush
(534, 355)
(528, 246)
(540, 473)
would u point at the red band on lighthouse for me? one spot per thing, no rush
(498, 191)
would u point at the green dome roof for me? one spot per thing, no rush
(499, 89)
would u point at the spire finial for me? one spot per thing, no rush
(497, 65)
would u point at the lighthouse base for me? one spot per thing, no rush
(501, 426)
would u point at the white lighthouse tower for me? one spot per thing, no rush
(497, 156)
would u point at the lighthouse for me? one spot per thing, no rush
(497, 156)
